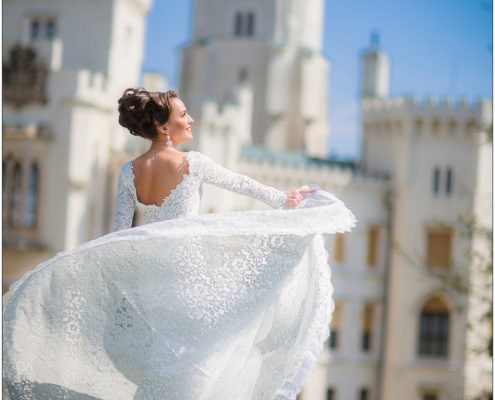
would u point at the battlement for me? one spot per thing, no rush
(394, 114)
(425, 104)
(81, 86)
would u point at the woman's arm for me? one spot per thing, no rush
(124, 210)
(222, 177)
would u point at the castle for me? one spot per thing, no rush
(255, 81)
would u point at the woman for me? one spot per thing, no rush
(220, 306)
(155, 180)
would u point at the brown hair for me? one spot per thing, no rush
(142, 111)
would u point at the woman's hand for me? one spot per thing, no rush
(295, 196)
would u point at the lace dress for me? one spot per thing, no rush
(220, 306)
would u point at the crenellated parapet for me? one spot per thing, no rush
(82, 87)
(408, 114)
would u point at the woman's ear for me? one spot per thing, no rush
(162, 128)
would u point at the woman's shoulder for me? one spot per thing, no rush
(126, 174)
(197, 156)
(126, 168)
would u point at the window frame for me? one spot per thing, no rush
(434, 329)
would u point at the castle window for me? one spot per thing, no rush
(439, 247)
(244, 24)
(250, 24)
(238, 24)
(32, 196)
(372, 249)
(429, 395)
(443, 181)
(243, 74)
(364, 394)
(43, 27)
(331, 394)
(436, 180)
(15, 203)
(449, 176)
(333, 340)
(433, 329)
(339, 248)
(366, 327)
(6, 187)
(35, 29)
(51, 29)
(21, 195)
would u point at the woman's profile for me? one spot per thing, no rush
(187, 306)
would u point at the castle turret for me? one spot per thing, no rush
(431, 151)
(276, 47)
(375, 71)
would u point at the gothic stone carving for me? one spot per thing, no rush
(24, 78)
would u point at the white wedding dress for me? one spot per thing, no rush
(227, 306)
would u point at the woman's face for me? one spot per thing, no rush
(179, 122)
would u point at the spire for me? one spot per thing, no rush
(375, 70)
(374, 39)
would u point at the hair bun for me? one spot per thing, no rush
(142, 111)
(133, 113)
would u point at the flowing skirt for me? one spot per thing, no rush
(214, 307)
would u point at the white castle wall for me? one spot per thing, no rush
(88, 69)
(281, 59)
(409, 139)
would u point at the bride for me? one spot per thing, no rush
(207, 307)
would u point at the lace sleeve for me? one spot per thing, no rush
(124, 210)
(221, 177)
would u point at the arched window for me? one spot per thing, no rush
(15, 200)
(433, 338)
(32, 196)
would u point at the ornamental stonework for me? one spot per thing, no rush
(24, 78)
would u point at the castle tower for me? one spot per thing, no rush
(275, 46)
(61, 83)
(375, 71)
(432, 153)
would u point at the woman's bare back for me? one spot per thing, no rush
(156, 174)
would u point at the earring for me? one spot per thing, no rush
(169, 142)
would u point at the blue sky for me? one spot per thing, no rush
(439, 48)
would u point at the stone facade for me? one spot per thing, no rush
(61, 83)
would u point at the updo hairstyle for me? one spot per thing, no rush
(142, 111)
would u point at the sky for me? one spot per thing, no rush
(437, 48)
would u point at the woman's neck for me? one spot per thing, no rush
(160, 144)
